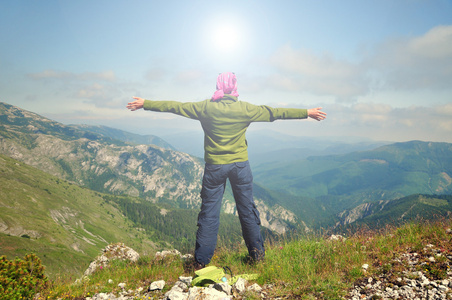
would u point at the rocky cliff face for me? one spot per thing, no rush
(360, 212)
(275, 218)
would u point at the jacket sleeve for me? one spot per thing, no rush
(264, 113)
(190, 110)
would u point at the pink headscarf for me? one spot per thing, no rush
(226, 84)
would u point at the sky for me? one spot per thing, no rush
(380, 69)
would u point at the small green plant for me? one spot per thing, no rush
(21, 279)
(436, 271)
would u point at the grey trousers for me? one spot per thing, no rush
(213, 185)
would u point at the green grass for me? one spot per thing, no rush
(311, 267)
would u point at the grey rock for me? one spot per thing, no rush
(181, 285)
(223, 287)
(165, 253)
(255, 288)
(196, 293)
(122, 285)
(336, 237)
(240, 285)
(443, 288)
(157, 285)
(187, 257)
(112, 252)
(186, 280)
(176, 293)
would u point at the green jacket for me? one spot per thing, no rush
(224, 123)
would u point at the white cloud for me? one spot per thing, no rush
(444, 110)
(93, 91)
(371, 113)
(50, 74)
(384, 122)
(86, 76)
(155, 74)
(101, 89)
(300, 70)
(423, 62)
(102, 95)
(409, 64)
(189, 76)
(435, 44)
(309, 64)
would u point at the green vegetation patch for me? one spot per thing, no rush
(433, 201)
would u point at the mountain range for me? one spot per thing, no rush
(63, 184)
(340, 183)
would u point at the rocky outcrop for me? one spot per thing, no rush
(116, 251)
(275, 218)
(360, 212)
(18, 230)
(425, 274)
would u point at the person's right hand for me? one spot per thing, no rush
(137, 104)
(316, 114)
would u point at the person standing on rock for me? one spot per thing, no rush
(224, 120)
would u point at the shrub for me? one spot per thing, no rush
(21, 279)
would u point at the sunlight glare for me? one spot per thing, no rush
(226, 42)
(225, 37)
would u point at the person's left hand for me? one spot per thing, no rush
(137, 104)
(316, 114)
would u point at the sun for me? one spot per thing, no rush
(227, 42)
(225, 37)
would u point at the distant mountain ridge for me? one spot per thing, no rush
(125, 136)
(274, 147)
(405, 168)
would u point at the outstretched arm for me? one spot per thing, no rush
(186, 109)
(316, 114)
(137, 104)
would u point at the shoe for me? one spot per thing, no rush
(194, 266)
(198, 266)
(249, 260)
